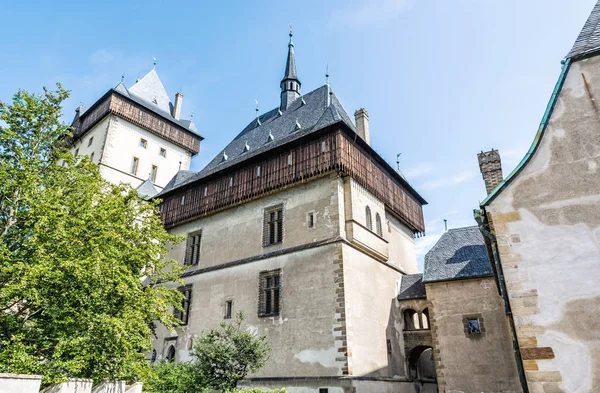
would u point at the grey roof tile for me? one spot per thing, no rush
(179, 178)
(588, 40)
(412, 287)
(146, 190)
(312, 116)
(151, 89)
(460, 253)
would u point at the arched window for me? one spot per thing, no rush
(171, 354)
(425, 319)
(378, 224)
(411, 320)
(368, 219)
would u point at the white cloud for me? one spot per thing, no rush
(369, 12)
(419, 170)
(448, 181)
(102, 56)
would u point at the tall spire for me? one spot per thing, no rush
(290, 84)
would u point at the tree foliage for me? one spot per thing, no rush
(81, 259)
(226, 355)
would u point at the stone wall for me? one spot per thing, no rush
(471, 363)
(547, 225)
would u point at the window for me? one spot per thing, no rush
(153, 358)
(368, 220)
(92, 157)
(192, 252)
(473, 326)
(163, 152)
(143, 143)
(228, 309)
(269, 296)
(273, 226)
(378, 228)
(134, 165)
(90, 141)
(411, 320)
(230, 181)
(289, 159)
(205, 191)
(258, 171)
(153, 173)
(425, 319)
(170, 354)
(182, 200)
(311, 220)
(76, 153)
(389, 346)
(184, 315)
(323, 147)
(323, 390)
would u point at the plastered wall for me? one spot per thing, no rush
(547, 223)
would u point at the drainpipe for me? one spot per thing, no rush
(479, 215)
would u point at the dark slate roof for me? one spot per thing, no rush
(180, 178)
(412, 287)
(310, 111)
(290, 65)
(460, 253)
(146, 190)
(588, 40)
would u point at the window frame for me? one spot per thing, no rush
(273, 225)
(467, 331)
(193, 248)
(186, 303)
(162, 152)
(143, 143)
(368, 218)
(269, 293)
(135, 163)
(378, 225)
(90, 141)
(228, 309)
(153, 173)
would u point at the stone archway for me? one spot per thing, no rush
(420, 364)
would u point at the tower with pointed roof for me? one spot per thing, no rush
(300, 224)
(290, 84)
(136, 135)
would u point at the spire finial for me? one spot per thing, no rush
(291, 34)
(154, 61)
(122, 77)
(327, 74)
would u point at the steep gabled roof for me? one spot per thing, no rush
(412, 287)
(146, 190)
(588, 41)
(459, 254)
(308, 114)
(151, 89)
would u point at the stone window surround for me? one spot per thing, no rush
(262, 276)
(479, 318)
(266, 230)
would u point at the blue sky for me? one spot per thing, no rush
(442, 80)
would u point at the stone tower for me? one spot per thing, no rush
(491, 168)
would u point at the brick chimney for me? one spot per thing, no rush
(491, 168)
(361, 117)
(177, 106)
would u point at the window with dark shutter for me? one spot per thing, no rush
(269, 293)
(273, 226)
(192, 251)
(378, 227)
(368, 219)
(186, 302)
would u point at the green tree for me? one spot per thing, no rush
(81, 260)
(222, 357)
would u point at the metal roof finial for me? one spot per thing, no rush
(291, 34)
(154, 61)
(327, 74)
(122, 77)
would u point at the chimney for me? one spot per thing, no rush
(361, 117)
(491, 168)
(177, 106)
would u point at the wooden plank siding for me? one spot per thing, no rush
(298, 164)
(138, 115)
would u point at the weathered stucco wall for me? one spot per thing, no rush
(482, 363)
(547, 223)
(236, 233)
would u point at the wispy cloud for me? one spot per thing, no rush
(448, 181)
(103, 56)
(419, 170)
(369, 12)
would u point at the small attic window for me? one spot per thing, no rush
(298, 126)
(303, 102)
(246, 147)
(270, 138)
(225, 157)
(154, 100)
(323, 147)
(279, 112)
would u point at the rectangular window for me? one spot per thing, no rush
(163, 152)
(182, 200)
(323, 147)
(270, 293)
(205, 191)
(473, 325)
(273, 226)
(92, 157)
(134, 165)
(184, 315)
(153, 173)
(231, 181)
(311, 220)
(143, 143)
(258, 171)
(228, 309)
(192, 252)
(289, 159)
(90, 141)
(323, 390)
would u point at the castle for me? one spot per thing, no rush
(300, 224)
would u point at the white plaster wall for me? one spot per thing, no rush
(402, 252)
(370, 291)
(98, 133)
(20, 383)
(123, 143)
